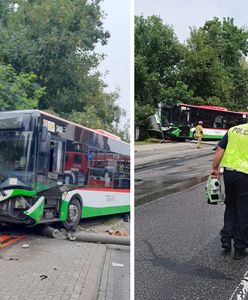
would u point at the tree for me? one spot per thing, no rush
(142, 112)
(158, 55)
(56, 40)
(18, 91)
(213, 67)
(179, 92)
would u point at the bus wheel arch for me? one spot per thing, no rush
(74, 213)
(79, 198)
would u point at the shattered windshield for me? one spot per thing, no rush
(16, 159)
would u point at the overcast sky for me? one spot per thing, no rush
(182, 14)
(117, 62)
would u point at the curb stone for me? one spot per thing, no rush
(93, 278)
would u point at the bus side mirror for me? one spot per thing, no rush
(45, 144)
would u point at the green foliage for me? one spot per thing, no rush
(214, 63)
(205, 75)
(179, 92)
(142, 112)
(158, 55)
(18, 91)
(87, 118)
(124, 133)
(56, 40)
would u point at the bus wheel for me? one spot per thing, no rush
(74, 215)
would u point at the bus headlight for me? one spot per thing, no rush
(21, 203)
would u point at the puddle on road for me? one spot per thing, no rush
(148, 192)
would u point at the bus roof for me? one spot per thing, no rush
(212, 107)
(98, 131)
(107, 134)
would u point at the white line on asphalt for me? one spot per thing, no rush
(117, 265)
(242, 289)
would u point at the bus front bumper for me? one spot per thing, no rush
(11, 212)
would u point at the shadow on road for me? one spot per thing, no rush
(182, 268)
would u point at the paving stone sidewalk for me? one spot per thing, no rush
(51, 269)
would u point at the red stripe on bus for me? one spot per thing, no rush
(106, 190)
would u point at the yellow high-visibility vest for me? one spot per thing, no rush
(236, 153)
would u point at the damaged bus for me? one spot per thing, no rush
(178, 121)
(53, 170)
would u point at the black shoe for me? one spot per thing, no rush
(239, 253)
(226, 245)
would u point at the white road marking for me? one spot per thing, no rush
(242, 289)
(117, 264)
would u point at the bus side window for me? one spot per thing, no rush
(97, 168)
(122, 176)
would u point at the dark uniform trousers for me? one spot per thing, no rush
(236, 212)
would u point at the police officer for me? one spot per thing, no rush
(232, 154)
(198, 134)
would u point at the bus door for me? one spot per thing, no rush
(55, 167)
(184, 120)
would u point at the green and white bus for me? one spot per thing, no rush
(179, 121)
(53, 170)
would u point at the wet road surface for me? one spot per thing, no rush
(178, 253)
(177, 248)
(163, 169)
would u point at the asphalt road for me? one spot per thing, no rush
(177, 248)
(178, 253)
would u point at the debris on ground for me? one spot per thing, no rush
(117, 232)
(117, 265)
(7, 239)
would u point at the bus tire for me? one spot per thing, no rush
(74, 215)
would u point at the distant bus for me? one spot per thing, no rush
(179, 121)
(53, 170)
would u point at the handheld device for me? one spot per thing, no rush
(215, 190)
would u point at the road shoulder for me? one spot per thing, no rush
(115, 281)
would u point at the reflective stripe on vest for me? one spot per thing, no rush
(236, 153)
